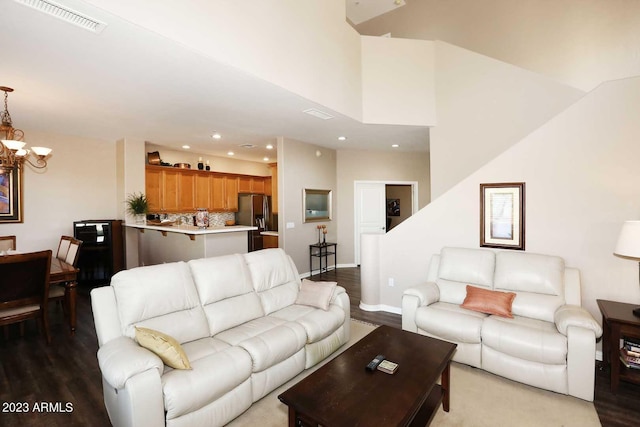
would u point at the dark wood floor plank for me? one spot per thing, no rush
(67, 370)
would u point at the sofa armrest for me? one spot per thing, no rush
(426, 293)
(122, 358)
(417, 296)
(574, 315)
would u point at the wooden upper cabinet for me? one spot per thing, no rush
(267, 186)
(231, 187)
(153, 189)
(186, 191)
(250, 184)
(202, 193)
(177, 190)
(244, 184)
(217, 199)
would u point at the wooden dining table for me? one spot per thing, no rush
(67, 275)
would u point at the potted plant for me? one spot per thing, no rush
(137, 206)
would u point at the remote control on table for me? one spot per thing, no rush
(374, 363)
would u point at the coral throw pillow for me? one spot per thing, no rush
(488, 301)
(166, 347)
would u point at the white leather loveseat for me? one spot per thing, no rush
(550, 341)
(238, 323)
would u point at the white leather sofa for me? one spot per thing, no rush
(550, 341)
(236, 319)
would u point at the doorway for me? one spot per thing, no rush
(381, 206)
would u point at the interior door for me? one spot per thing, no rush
(370, 211)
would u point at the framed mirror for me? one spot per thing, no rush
(316, 205)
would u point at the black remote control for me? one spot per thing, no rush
(374, 363)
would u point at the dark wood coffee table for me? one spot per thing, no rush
(343, 393)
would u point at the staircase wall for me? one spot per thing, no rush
(581, 173)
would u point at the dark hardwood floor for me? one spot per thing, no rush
(60, 384)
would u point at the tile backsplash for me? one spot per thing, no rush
(216, 219)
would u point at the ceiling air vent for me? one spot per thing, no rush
(66, 14)
(319, 114)
(247, 146)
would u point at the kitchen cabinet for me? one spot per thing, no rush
(203, 192)
(251, 184)
(169, 190)
(269, 242)
(173, 190)
(223, 193)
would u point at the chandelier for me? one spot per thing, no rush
(12, 151)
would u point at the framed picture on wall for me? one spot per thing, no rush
(502, 216)
(10, 195)
(393, 207)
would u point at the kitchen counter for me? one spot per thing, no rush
(168, 243)
(191, 230)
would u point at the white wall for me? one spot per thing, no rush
(397, 81)
(79, 183)
(299, 167)
(580, 43)
(217, 163)
(354, 165)
(581, 177)
(484, 106)
(306, 47)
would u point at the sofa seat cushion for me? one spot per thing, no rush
(210, 378)
(525, 338)
(255, 327)
(275, 345)
(203, 347)
(317, 323)
(450, 322)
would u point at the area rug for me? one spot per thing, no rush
(477, 399)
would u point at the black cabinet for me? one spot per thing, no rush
(102, 250)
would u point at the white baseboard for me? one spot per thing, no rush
(331, 267)
(380, 307)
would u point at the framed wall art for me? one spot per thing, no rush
(502, 215)
(10, 195)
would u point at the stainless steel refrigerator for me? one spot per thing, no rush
(254, 209)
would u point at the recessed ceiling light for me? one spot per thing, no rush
(230, 153)
(216, 135)
(266, 159)
(186, 147)
(269, 147)
(342, 138)
(395, 145)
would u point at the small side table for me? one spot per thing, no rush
(322, 251)
(618, 322)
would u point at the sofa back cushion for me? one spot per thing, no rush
(226, 292)
(459, 267)
(538, 281)
(160, 297)
(275, 278)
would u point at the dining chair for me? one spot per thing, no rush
(7, 243)
(63, 247)
(68, 251)
(24, 288)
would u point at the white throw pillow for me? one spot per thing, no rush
(316, 294)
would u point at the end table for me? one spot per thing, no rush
(618, 322)
(322, 252)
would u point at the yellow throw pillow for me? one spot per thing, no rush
(166, 347)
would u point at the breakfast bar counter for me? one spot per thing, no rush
(169, 243)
